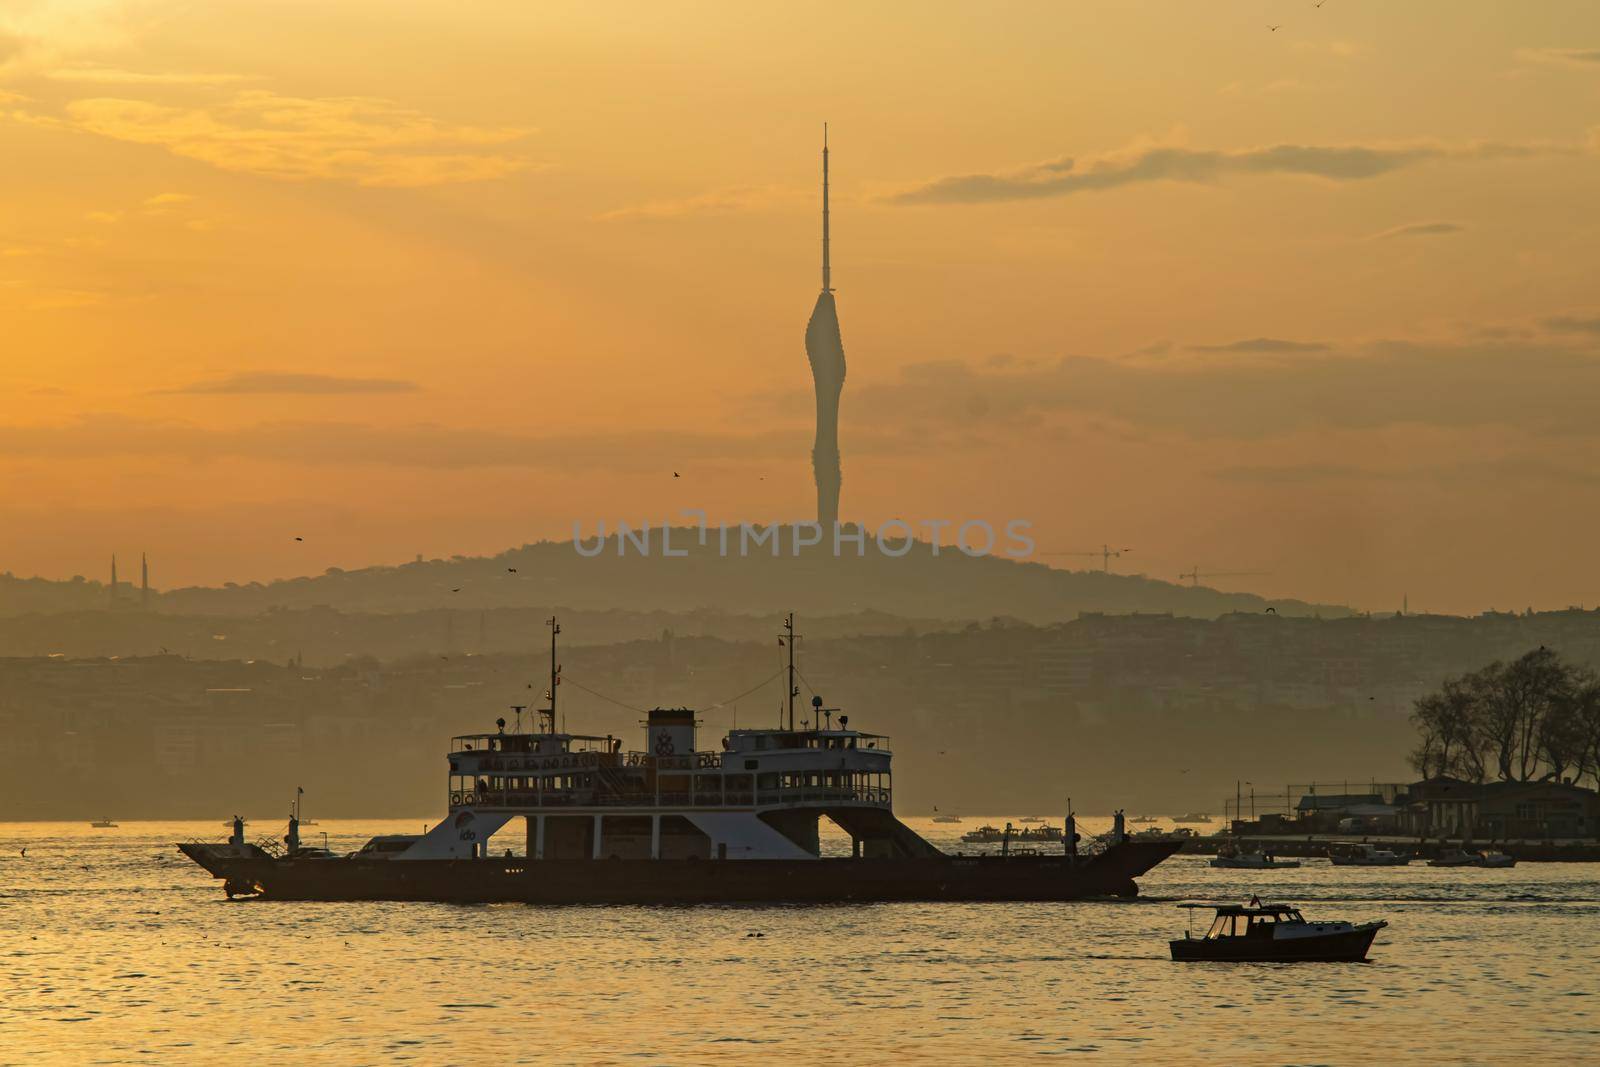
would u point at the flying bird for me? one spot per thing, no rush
(1275, 29)
(513, 570)
(299, 538)
(457, 589)
(674, 474)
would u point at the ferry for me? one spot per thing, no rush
(674, 822)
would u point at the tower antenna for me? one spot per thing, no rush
(827, 273)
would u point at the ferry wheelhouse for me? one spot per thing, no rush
(759, 795)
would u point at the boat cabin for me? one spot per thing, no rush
(1246, 920)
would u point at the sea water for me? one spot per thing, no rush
(116, 949)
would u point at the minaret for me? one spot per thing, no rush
(825, 350)
(111, 595)
(144, 582)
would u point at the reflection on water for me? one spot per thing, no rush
(117, 950)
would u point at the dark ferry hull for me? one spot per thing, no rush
(937, 878)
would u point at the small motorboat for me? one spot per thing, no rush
(103, 824)
(1495, 859)
(1144, 819)
(1365, 855)
(947, 818)
(1273, 933)
(1193, 816)
(1030, 818)
(1252, 861)
(984, 835)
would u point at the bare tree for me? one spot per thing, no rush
(1446, 721)
(1582, 702)
(1533, 718)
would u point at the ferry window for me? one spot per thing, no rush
(1221, 927)
(751, 764)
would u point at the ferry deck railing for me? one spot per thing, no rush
(696, 799)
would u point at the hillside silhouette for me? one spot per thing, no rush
(918, 585)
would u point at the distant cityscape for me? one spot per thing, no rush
(1149, 711)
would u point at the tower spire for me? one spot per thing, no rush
(827, 274)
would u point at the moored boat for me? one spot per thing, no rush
(1263, 933)
(1367, 855)
(1252, 861)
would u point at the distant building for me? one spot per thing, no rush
(1537, 809)
(1450, 807)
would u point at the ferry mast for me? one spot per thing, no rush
(555, 672)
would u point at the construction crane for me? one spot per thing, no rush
(1106, 554)
(1194, 574)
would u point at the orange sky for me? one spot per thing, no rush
(431, 278)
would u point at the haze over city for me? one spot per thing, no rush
(1314, 303)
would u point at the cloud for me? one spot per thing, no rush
(1419, 229)
(1063, 177)
(1537, 387)
(95, 74)
(267, 383)
(162, 202)
(1568, 324)
(737, 200)
(360, 140)
(1563, 57)
(1270, 345)
(425, 445)
(1468, 472)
